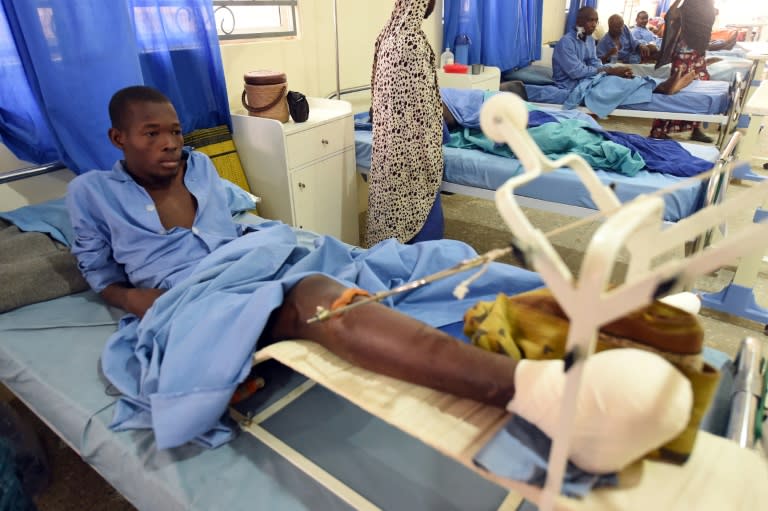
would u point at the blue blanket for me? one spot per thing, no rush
(178, 367)
(603, 93)
(620, 152)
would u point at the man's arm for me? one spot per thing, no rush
(95, 260)
(134, 300)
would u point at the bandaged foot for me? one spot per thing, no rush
(630, 403)
(685, 301)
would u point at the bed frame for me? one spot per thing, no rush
(716, 186)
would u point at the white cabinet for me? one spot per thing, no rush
(489, 79)
(304, 172)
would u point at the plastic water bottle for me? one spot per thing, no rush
(461, 46)
(446, 58)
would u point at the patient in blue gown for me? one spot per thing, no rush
(154, 237)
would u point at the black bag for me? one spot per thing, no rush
(298, 106)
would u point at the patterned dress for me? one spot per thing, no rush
(407, 157)
(684, 61)
(685, 42)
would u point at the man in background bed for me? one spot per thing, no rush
(642, 33)
(154, 237)
(619, 45)
(575, 57)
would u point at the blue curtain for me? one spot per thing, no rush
(573, 10)
(662, 7)
(21, 123)
(71, 56)
(502, 33)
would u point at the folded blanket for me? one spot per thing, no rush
(34, 268)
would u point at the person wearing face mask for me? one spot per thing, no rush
(407, 117)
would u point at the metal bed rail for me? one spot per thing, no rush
(26, 172)
(747, 392)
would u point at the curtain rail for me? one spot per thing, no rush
(23, 173)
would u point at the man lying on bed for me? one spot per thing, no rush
(574, 59)
(154, 237)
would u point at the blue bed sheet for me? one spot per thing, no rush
(724, 70)
(483, 170)
(700, 97)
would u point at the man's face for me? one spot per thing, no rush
(642, 19)
(615, 24)
(588, 21)
(151, 142)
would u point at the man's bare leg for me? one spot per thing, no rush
(388, 342)
(385, 341)
(676, 82)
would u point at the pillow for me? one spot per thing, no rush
(52, 218)
(532, 75)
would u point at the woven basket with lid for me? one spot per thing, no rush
(265, 94)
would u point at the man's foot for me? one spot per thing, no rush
(630, 403)
(699, 136)
(676, 82)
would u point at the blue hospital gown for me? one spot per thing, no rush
(645, 36)
(628, 53)
(178, 366)
(574, 60)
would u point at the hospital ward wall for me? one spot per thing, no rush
(309, 59)
(32, 190)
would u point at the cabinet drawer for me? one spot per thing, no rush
(319, 141)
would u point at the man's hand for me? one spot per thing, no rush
(610, 53)
(622, 71)
(138, 301)
(134, 300)
(645, 50)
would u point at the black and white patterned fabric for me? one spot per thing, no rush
(407, 159)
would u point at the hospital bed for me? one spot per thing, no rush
(476, 173)
(724, 70)
(315, 450)
(716, 102)
(306, 447)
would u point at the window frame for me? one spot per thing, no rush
(288, 7)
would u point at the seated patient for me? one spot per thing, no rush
(618, 42)
(141, 228)
(642, 33)
(575, 57)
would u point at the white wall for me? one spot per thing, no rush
(8, 161)
(309, 60)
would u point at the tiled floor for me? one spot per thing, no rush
(76, 486)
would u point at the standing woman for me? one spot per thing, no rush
(407, 155)
(686, 37)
